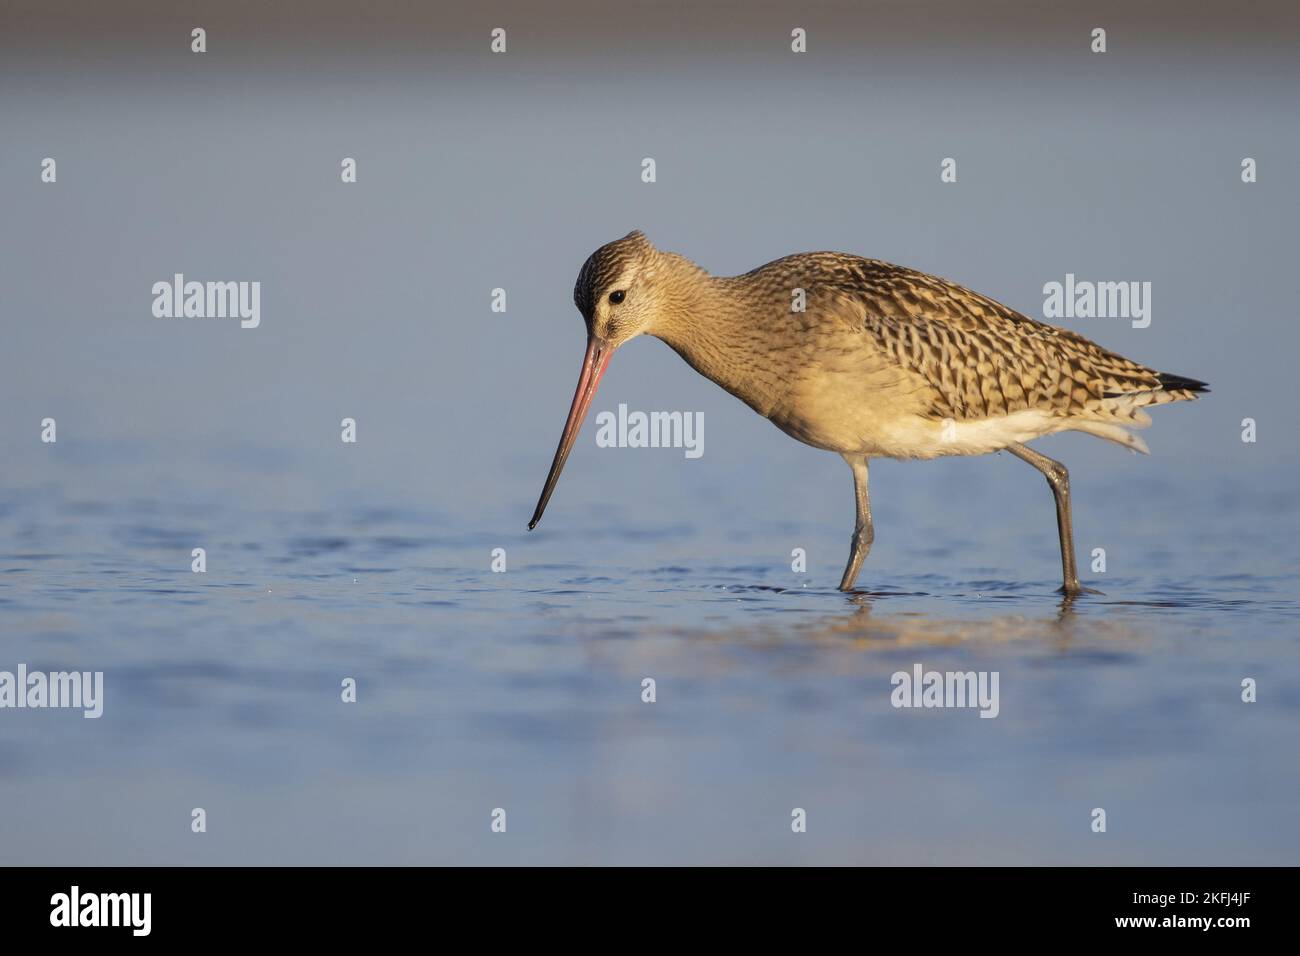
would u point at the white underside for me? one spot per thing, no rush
(921, 438)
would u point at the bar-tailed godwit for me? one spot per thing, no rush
(881, 361)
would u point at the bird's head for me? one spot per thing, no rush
(619, 289)
(624, 289)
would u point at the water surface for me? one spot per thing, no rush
(522, 689)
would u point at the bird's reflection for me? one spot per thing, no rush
(869, 620)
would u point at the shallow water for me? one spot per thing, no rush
(522, 689)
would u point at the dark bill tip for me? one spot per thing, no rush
(593, 367)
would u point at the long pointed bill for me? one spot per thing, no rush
(593, 367)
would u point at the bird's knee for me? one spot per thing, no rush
(1058, 477)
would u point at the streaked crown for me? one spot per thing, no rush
(604, 266)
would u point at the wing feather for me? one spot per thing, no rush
(980, 358)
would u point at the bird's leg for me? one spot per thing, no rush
(1059, 479)
(863, 533)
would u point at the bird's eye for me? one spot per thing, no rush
(617, 297)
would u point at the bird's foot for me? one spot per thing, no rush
(1073, 591)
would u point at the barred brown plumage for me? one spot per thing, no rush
(980, 357)
(867, 359)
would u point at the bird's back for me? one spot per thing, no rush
(968, 357)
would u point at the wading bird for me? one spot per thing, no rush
(868, 360)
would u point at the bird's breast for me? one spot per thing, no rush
(846, 410)
(823, 383)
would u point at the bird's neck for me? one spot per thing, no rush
(709, 326)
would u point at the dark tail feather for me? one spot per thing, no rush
(1177, 383)
(1168, 383)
